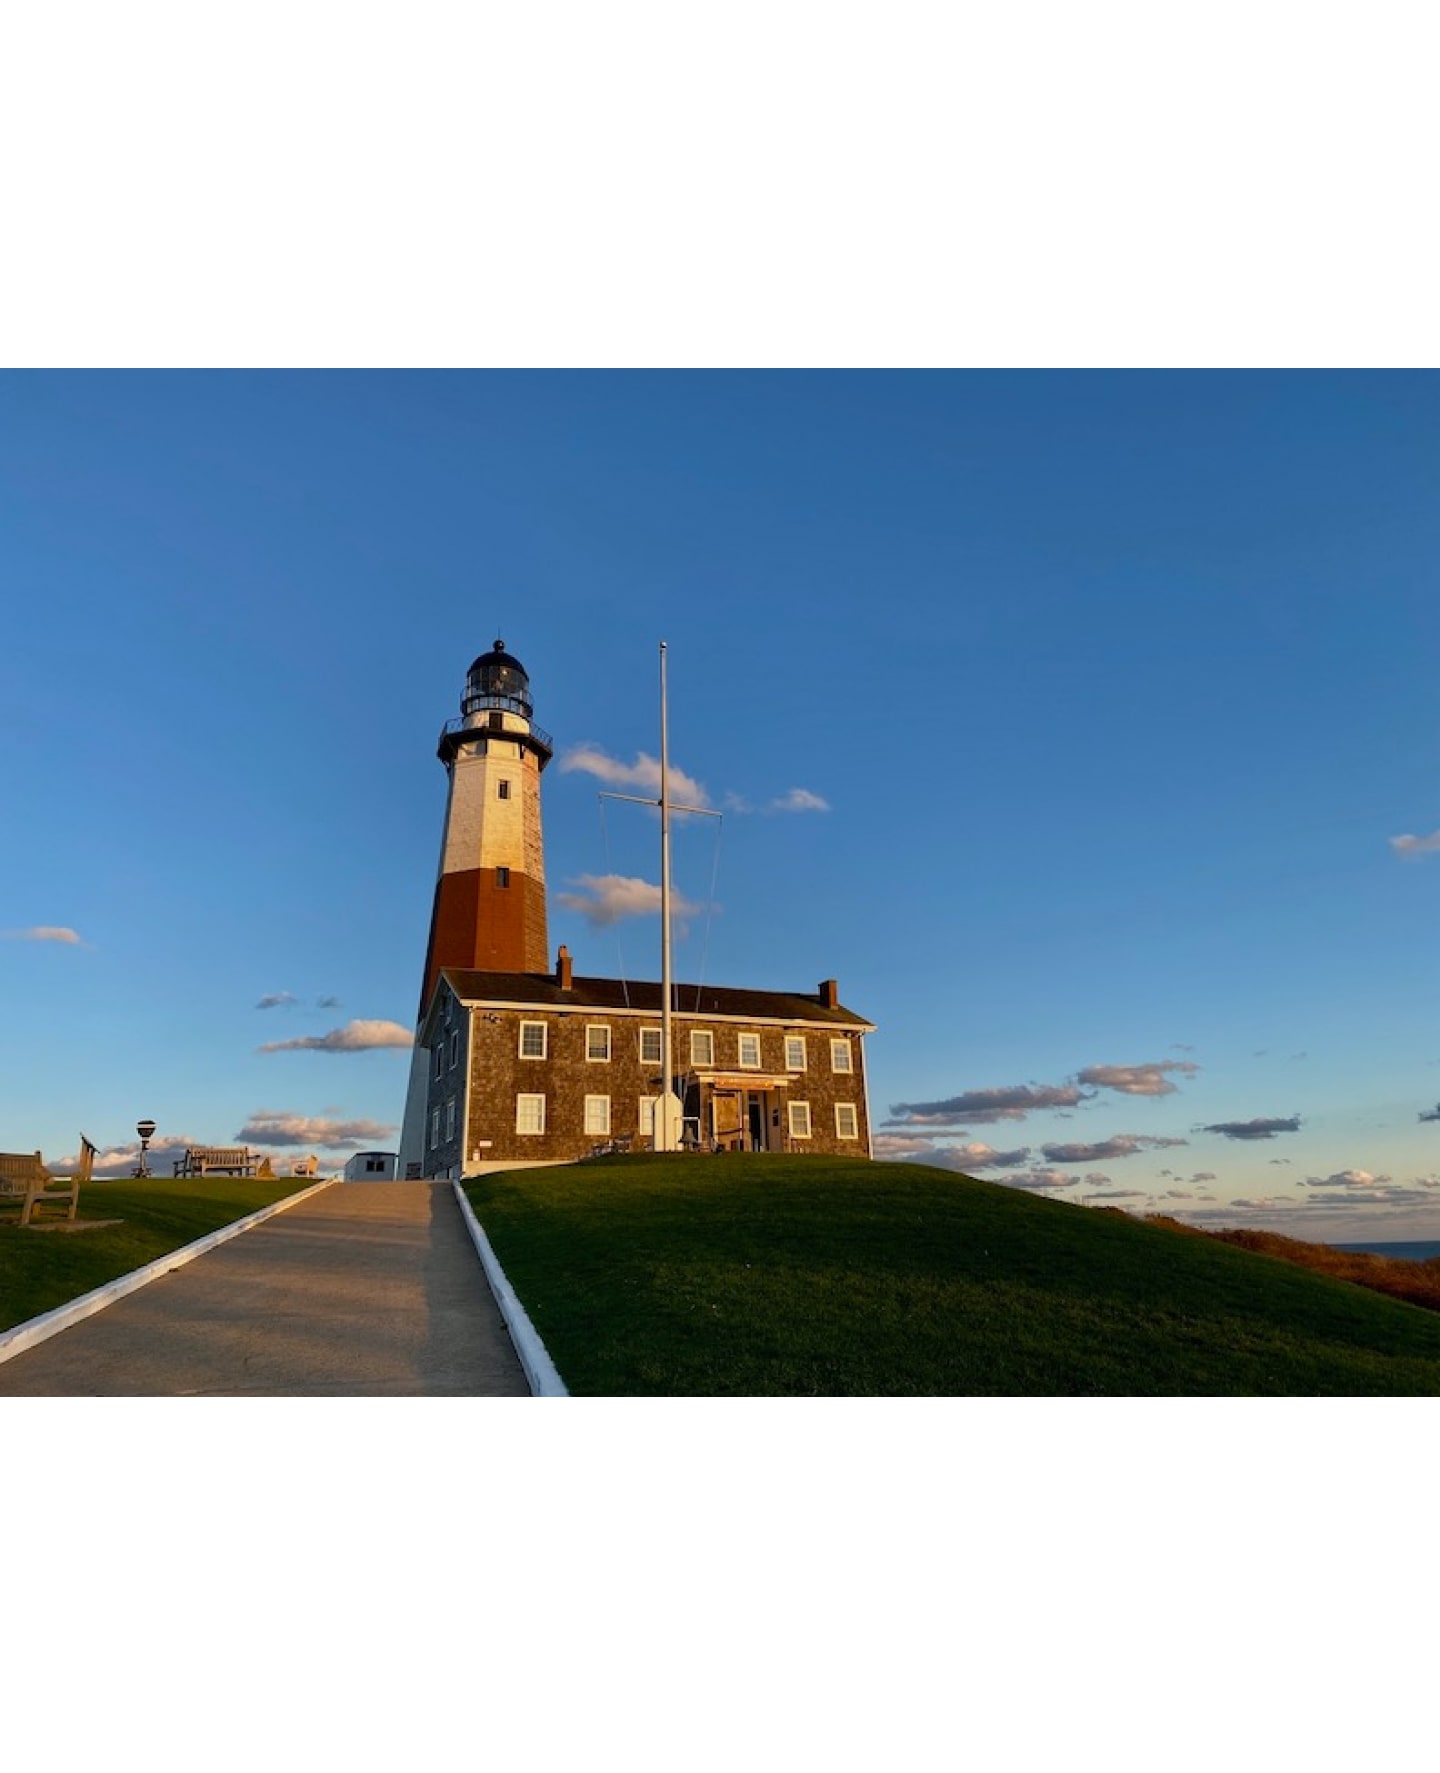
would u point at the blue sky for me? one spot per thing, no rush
(1117, 689)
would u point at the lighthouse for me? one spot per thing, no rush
(520, 1061)
(488, 911)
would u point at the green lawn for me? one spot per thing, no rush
(757, 1275)
(42, 1269)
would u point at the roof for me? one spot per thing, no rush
(541, 991)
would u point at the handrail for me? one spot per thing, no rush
(462, 725)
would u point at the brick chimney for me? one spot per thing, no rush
(830, 993)
(564, 970)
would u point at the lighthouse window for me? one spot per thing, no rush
(502, 877)
(597, 1040)
(532, 1040)
(504, 790)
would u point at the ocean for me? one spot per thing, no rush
(1405, 1252)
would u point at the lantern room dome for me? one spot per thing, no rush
(497, 680)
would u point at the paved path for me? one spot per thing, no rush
(368, 1289)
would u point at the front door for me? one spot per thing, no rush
(755, 1120)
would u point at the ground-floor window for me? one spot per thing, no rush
(434, 1128)
(450, 1119)
(847, 1121)
(597, 1114)
(799, 1120)
(529, 1114)
(646, 1122)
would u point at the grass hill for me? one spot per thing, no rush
(756, 1275)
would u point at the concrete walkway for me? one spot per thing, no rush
(369, 1289)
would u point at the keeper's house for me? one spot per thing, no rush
(514, 1064)
(532, 1067)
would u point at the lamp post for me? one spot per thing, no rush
(146, 1130)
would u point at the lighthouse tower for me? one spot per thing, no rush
(489, 908)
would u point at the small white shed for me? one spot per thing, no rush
(371, 1166)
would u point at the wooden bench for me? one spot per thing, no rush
(219, 1160)
(26, 1182)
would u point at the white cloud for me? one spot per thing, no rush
(799, 800)
(120, 1160)
(1037, 1179)
(1119, 1145)
(1348, 1179)
(1007, 1102)
(1137, 1080)
(893, 1147)
(354, 1037)
(1410, 845)
(643, 773)
(44, 932)
(609, 897)
(282, 1127)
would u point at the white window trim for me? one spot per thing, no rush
(645, 1121)
(544, 1052)
(434, 1129)
(707, 1035)
(595, 1028)
(790, 1108)
(659, 1036)
(843, 1108)
(797, 1040)
(529, 1132)
(597, 1131)
(449, 1120)
(842, 1046)
(741, 1062)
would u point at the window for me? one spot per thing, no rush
(529, 1114)
(374, 1166)
(434, 1128)
(794, 1052)
(702, 1047)
(750, 1051)
(597, 1114)
(532, 1040)
(454, 1048)
(502, 877)
(504, 789)
(847, 1121)
(840, 1056)
(647, 1116)
(651, 1052)
(449, 1120)
(799, 1120)
(439, 1056)
(597, 1041)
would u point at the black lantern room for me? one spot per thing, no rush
(497, 680)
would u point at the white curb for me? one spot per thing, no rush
(39, 1329)
(540, 1371)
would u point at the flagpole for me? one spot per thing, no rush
(666, 1141)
